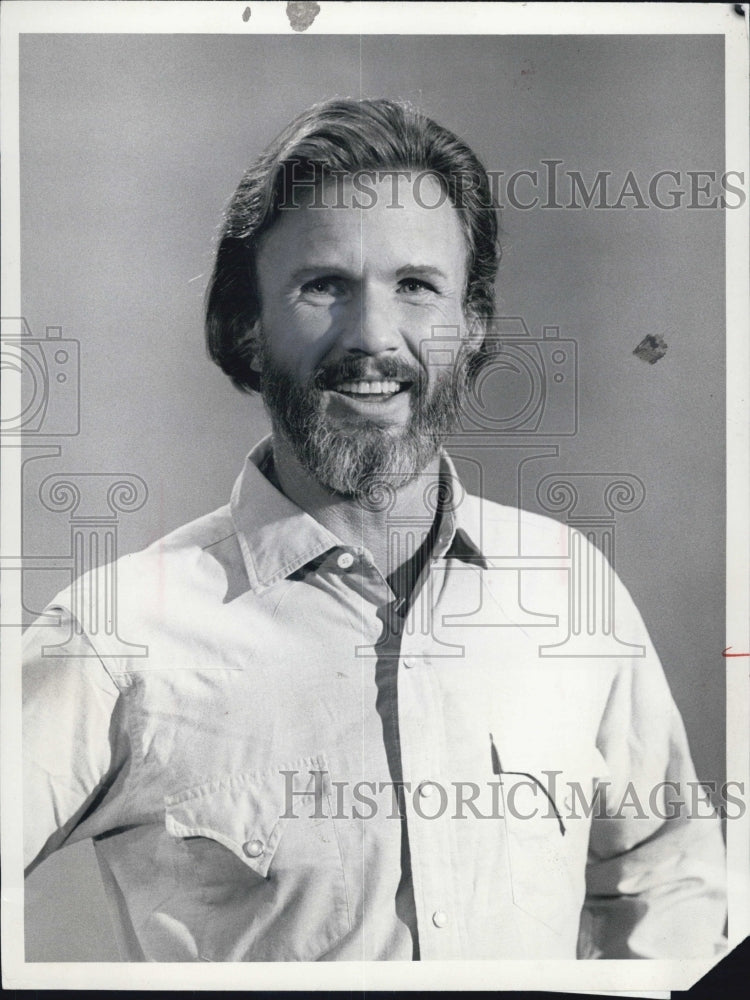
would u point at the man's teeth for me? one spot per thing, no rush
(380, 388)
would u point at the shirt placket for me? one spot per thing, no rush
(358, 571)
(428, 799)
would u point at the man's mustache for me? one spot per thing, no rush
(353, 369)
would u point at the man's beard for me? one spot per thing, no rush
(364, 460)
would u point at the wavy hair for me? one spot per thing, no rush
(335, 137)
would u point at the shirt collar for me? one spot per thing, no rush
(277, 537)
(460, 536)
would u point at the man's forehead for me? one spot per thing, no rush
(398, 216)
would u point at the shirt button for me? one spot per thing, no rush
(253, 848)
(427, 789)
(439, 918)
(345, 560)
(408, 664)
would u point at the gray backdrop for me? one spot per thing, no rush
(130, 147)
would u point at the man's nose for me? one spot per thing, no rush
(372, 325)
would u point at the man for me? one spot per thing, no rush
(344, 742)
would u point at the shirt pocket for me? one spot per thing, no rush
(547, 823)
(265, 867)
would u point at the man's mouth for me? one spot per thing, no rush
(371, 389)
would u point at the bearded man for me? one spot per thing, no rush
(341, 744)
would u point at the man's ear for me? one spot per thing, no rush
(252, 347)
(476, 327)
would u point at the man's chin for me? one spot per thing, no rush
(365, 463)
(347, 430)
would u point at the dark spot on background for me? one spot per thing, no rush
(301, 14)
(246, 14)
(651, 349)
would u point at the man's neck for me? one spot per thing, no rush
(399, 538)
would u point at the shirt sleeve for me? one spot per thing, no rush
(656, 874)
(68, 702)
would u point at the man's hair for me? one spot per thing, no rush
(342, 136)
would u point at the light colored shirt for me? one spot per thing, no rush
(238, 779)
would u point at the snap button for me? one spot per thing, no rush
(426, 790)
(253, 848)
(345, 560)
(439, 918)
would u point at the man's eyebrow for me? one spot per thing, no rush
(321, 268)
(406, 270)
(421, 270)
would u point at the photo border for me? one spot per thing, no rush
(104, 16)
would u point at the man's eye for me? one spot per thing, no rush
(416, 286)
(326, 286)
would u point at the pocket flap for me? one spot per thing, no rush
(245, 812)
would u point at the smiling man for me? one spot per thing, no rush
(342, 743)
(351, 299)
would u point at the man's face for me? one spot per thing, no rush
(351, 300)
